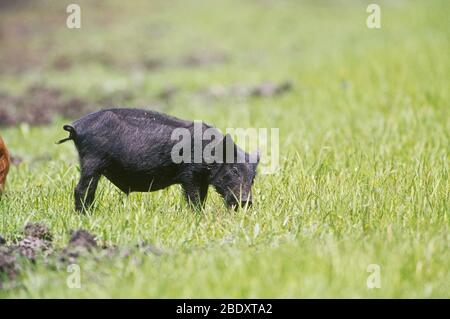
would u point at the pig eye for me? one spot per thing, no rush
(233, 172)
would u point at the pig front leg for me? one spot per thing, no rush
(195, 193)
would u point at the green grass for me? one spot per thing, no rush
(364, 149)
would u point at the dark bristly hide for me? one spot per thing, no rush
(132, 148)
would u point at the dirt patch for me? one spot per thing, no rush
(10, 4)
(116, 98)
(62, 63)
(265, 89)
(38, 230)
(151, 64)
(81, 242)
(192, 60)
(168, 93)
(82, 238)
(204, 58)
(9, 267)
(271, 89)
(32, 247)
(17, 32)
(40, 105)
(36, 247)
(37, 242)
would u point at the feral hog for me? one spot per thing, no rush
(4, 165)
(144, 151)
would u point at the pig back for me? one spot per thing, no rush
(128, 137)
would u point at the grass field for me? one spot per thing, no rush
(364, 146)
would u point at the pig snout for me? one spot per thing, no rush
(247, 200)
(243, 201)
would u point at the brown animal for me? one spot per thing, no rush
(4, 165)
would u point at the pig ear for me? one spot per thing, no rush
(258, 155)
(255, 157)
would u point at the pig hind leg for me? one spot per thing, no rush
(85, 190)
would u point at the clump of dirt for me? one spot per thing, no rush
(38, 230)
(191, 60)
(62, 63)
(82, 238)
(9, 267)
(152, 64)
(74, 108)
(81, 242)
(32, 247)
(39, 105)
(37, 243)
(271, 89)
(204, 58)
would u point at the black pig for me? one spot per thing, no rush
(134, 149)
